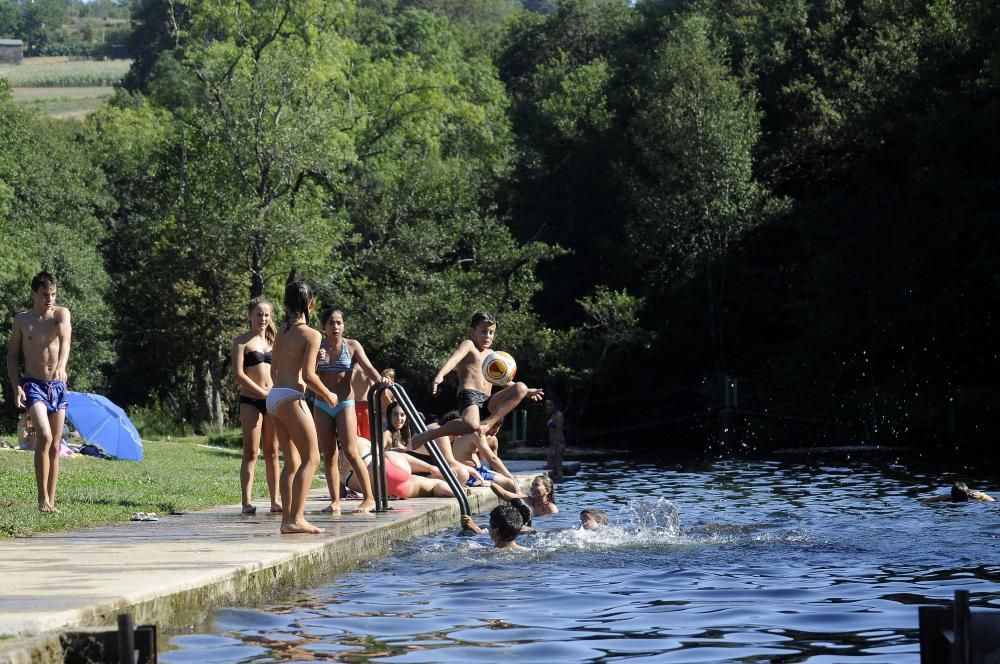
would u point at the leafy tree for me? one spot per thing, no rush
(692, 180)
(10, 19)
(41, 22)
(50, 196)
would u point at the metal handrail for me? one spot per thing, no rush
(378, 457)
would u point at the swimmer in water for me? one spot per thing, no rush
(593, 519)
(541, 496)
(505, 526)
(468, 523)
(960, 493)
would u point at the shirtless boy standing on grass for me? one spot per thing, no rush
(480, 410)
(43, 334)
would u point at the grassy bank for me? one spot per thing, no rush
(178, 476)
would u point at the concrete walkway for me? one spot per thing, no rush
(173, 571)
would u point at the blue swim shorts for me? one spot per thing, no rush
(50, 392)
(485, 471)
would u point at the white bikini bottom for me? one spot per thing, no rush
(279, 394)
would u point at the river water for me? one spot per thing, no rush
(758, 561)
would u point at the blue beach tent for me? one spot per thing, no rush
(102, 422)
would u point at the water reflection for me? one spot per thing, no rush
(765, 561)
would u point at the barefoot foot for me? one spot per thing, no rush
(275, 508)
(365, 506)
(300, 527)
(332, 508)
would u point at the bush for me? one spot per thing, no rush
(155, 421)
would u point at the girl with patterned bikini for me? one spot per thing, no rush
(293, 368)
(337, 425)
(251, 357)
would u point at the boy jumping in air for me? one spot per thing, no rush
(43, 334)
(480, 410)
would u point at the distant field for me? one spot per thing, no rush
(62, 102)
(63, 87)
(64, 73)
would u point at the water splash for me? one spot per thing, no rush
(642, 522)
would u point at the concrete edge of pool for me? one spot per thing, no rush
(173, 571)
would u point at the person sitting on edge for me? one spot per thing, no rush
(480, 410)
(464, 473)
(960, 493)
(397, 428)
(541, 496)
(43, 334)
(468, 523)
(593, 519)
(479, 452)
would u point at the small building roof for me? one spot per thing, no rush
(11, 42)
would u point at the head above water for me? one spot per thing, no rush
(505, 523)
(523, 509)
(542, 485)
(592, 518)
(959, 492)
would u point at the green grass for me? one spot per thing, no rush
(174, 477)
(61, 102)
(64, 72)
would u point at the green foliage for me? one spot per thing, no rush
(694, 133)
(51, 196)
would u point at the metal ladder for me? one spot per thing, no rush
(378, 455)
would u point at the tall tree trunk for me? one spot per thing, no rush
(209, 393)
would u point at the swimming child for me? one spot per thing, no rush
(468, 523)
(293, 368)
(541, 496)
(961, 493)
(480, 410)
(43, 334)
(593, 519)
(505, 526)
(251, 357)
(337, 426)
